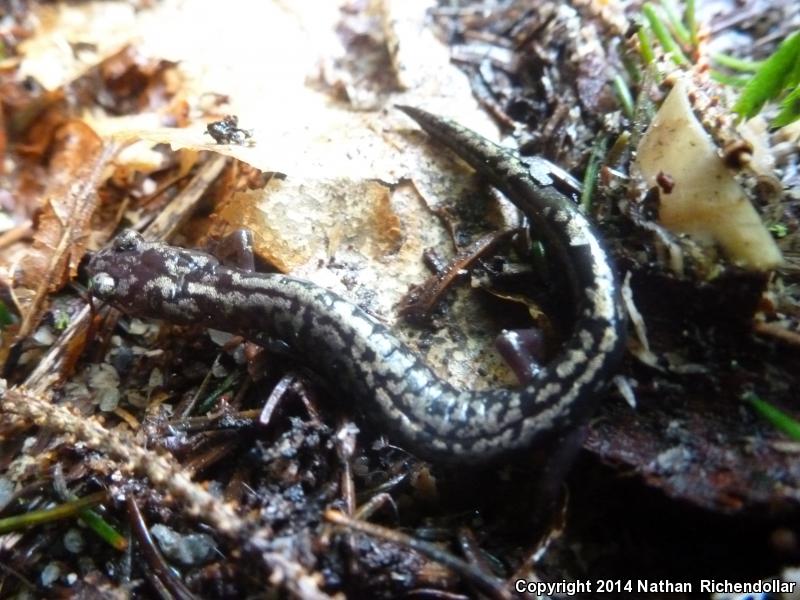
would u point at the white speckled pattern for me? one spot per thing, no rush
(362, 358)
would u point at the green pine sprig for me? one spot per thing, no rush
(778, 79)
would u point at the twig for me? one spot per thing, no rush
(54, 363)
(420, 302)
(57, 513)
(778, 332)
(24, 580)
(165, 473)
(177, 212)
(153, 556)
(162, 470)
(487, 584)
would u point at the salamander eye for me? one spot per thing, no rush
(127, 240)
(102, 285)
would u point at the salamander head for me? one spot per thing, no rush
(141, 277)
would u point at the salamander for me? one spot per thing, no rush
(363, 359)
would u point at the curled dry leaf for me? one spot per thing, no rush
(298, 222)
(365, 239)
(705, 200)
(76, 169)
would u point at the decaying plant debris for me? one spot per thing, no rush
(148, 460)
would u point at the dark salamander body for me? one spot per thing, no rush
(363, 359)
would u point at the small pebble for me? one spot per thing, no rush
(189, 549)
(6, 491)
(156, 379)
(108, 399)
(50, 574)
(73, 541)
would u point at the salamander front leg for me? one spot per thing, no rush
(236, 250)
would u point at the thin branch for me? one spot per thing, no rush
(487, 584)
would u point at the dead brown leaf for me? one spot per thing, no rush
(76, 171)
